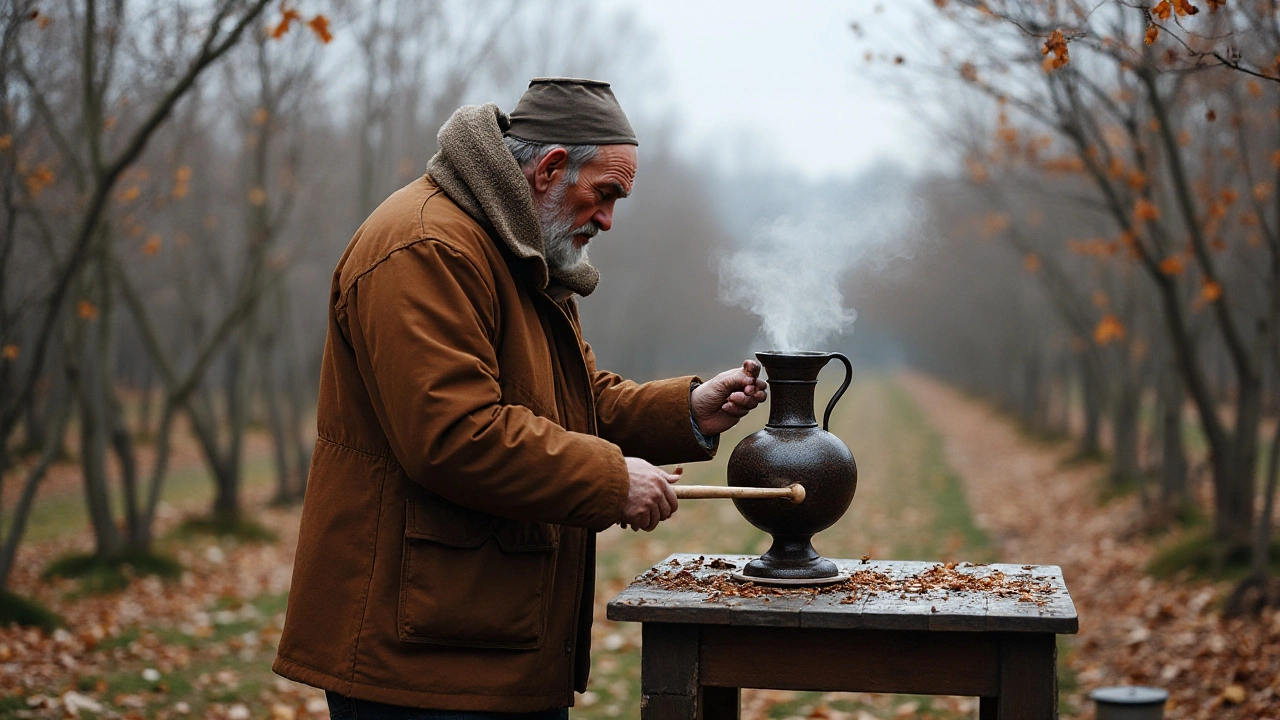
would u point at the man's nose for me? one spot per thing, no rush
(604, 218)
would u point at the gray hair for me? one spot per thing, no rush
(529, 154)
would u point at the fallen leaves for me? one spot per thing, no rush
(1047, 511)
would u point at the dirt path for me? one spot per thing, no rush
(942, 476)
(1133, 629)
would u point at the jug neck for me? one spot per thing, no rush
(793, 378)
(791, 403)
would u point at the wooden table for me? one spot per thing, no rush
(698, 653)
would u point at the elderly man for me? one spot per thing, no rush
(468, 448)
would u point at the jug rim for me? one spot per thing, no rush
(794, 353)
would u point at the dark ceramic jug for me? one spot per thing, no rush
(793, 449)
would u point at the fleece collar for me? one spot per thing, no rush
(478, 173)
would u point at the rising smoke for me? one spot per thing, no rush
(792, 270)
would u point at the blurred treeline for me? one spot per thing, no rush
(1107, 262)
(179, 178)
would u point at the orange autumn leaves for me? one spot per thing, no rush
(1055, 51)
(1166, 9)
(318, 24)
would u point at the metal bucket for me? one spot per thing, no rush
(1129, 702)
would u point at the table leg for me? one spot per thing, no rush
(669, 688)
(988, 708)
(1028, 677)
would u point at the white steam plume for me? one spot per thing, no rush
(790, 273)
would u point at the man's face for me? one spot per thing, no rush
(572, 214)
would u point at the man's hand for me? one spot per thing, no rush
(719, 403)
(650, 499)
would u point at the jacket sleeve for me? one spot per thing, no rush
(649, 421)
(422, 324)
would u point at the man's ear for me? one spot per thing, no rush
(550, 169)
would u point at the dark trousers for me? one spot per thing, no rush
(342, 707)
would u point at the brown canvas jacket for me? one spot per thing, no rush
(468, 452)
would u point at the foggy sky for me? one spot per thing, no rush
(759, 83)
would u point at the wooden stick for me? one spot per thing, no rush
(793, 492)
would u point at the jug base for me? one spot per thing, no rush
(791, 582)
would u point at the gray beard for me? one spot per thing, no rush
(558, 248)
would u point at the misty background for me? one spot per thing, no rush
(1057, 223)
(1063, 214)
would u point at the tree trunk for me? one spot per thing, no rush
(146, 401)
(1091, 438)
(1029, 405)
(146, 529)
(59, 416)
(228, 470)
(1173, 466)
(1235, 513)
(1125, 468)
(296, 408)
(93, 462)
(280, 443)
(34, 421)
(1261, 556)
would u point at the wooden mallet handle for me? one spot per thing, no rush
(793, 492)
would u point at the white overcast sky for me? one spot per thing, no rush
(787, 78)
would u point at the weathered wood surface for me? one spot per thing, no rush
(965, 611)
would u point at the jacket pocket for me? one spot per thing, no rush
(471, 579)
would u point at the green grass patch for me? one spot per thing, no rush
(1201, 556)
(952, 529)
(15, 609)
(1109, 488)
(124, 639)
(1068, 681)
(98, 574)
(241, 528)
(131, 682)
(1085, 457)
(61, 514)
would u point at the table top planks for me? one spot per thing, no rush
(1048, 610)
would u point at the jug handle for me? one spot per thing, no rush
(848, 378)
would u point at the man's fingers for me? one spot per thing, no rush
(664, 504)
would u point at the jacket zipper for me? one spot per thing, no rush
(591, 425)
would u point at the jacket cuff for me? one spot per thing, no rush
(710, 443)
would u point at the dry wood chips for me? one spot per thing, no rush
(714, 579)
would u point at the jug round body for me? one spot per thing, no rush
(780, 456)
